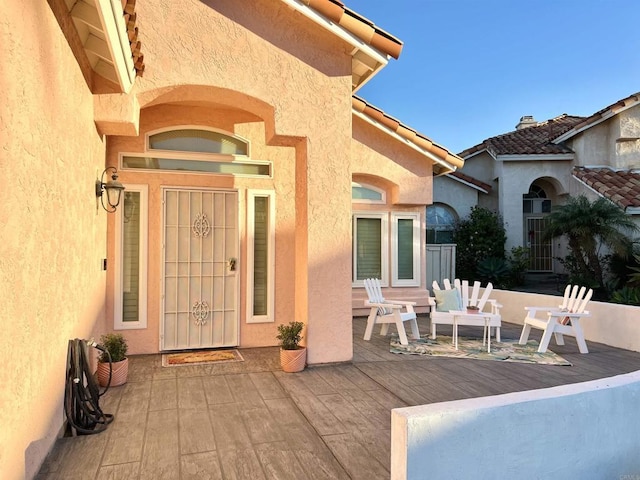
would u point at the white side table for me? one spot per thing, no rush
(461, 317)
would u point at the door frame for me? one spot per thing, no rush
(527, 242)
(239, 263)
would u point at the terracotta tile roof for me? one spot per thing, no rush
(419, 140)
(358, 25)
(130, 18)
(534, 140)
(602, 115)
(622, 187)
(485, 187)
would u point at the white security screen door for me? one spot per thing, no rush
(200, 254)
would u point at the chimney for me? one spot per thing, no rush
(526, 121)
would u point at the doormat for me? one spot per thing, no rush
(472, 348)
(200, 357)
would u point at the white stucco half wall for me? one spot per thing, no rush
(610, 323)
(581, 431)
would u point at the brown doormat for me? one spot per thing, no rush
(200, 357)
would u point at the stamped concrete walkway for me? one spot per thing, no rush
(249, 420)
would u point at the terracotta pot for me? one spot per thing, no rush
(118, 375)
(293, 360)
(472, 310)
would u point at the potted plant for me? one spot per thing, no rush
(115, 346)
(293, 357)
(472, 309)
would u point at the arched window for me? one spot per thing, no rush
(197, 150)
(362, 193)
(440, 223)
(201, 141)
(535, 201)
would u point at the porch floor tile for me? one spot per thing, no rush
(250, 420)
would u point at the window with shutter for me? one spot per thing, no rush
(260, 256)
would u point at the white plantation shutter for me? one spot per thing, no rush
(368, 248)
(260, 255)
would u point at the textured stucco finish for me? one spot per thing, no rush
(267, 80)
(613, 143)
(53, 238)
(267, 74)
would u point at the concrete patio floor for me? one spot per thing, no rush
(249, 420)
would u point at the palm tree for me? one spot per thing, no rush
(588, 226)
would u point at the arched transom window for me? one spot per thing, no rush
(363, 193)
(202, 141)
(197, 150)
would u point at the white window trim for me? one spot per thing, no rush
(382, 192)
(384, 245)
(415, 281)
(200, 157)
(144, 235)
(271, 256)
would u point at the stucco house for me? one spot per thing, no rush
(251, 170)
(522, 174)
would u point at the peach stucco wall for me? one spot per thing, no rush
(406, 175)
(265, 73)
(52, 237)
(272, 76)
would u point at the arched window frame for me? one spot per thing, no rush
(212, 163)
(430, 227)
(382, 192)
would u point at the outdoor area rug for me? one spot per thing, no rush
(200, 357)
(506, 351)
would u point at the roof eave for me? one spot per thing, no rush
(598, 118)
(469, 184)
(443, 167)
(375, 59)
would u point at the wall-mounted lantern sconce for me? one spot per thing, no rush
(113, 189)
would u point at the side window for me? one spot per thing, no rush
(406, 249)
(130, 303)
(370, 247)
(260, 256)
(441, 220)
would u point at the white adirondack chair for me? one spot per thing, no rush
(468, 298)
(385, 312)
(564, 320)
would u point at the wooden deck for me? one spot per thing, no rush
(249, 420)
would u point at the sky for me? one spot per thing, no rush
(469, 69)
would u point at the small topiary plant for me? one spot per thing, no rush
(116, 345)
(290, 335)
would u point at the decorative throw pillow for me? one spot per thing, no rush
(447, 300)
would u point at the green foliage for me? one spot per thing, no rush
(290, 335)
(519, 262)
(116, 345)
(634, 278)
(588, 226)
(494, 270)
(479, 236)
(576, 274)
(627, 296)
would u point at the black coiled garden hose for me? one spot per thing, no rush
(82, 393)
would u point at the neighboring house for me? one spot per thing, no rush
(534, 167)
(251, 174)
